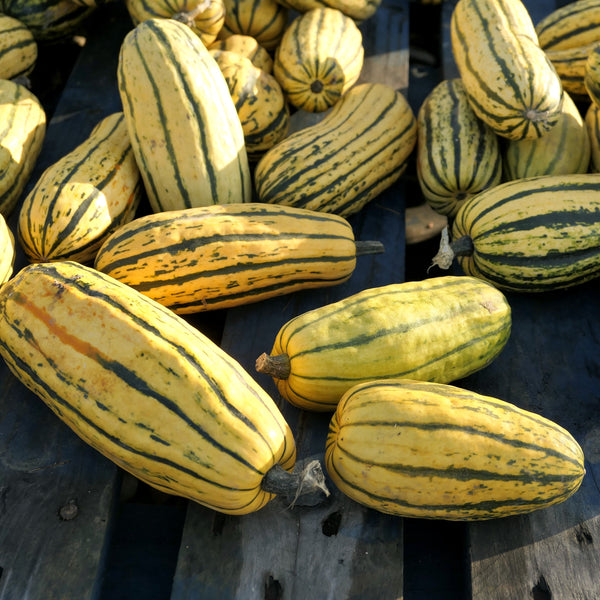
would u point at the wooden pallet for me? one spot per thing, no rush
(74, 527)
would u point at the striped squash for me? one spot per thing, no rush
(563, 150)
(259, 101)
(319, 58)
(185, 132)
(591, 78)
(142, 386)
(592, 124)
(570, 65)
(21, 136)
(264, 20)
(83, 197)
(7, 251)
(440, 329)
(248, 47)
(573, 25)
(205, 18)
(213, 257)
(458, 155)
(530, 235)
(49, 20)
(510, 82)
(18, 48)
(434, 451)
(359, 10)
(363, 143)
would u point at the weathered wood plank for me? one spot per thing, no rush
(336, 549)
(56, 493)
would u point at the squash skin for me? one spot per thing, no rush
(512, 86)
(158, 398)
(434, 451)
(23, 132)
(535, 234)
(364, 144)
(185, 132)
(83, 197)
(7, 251)
(319, 58)
(458, 155)
(217, 257)
(206, 21)
(592, 124)
(248, 47)
(359, 10)
(440, 329)
(570, 65)
(18, 48)
(563, 150)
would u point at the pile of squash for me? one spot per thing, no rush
(242, 209)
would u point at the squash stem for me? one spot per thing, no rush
(188, 17)
(368, 247)
(277, 366)
(305, 486)
(447, 252)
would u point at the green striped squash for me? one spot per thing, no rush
(219, 256)
(363, 143)
(573, 25)
(359, 10)
(439, 329)
(248, 47)
(570, 65)
(204, 18)
(319, 58)
(83, 197)
(592, 124)
(143, 387)
(264, 20)
(21, 136)
(185, 132)
(563, 150)
(18, 48)
(434, 451)
(259, 101)
(49, 20)
(511, 84)
(458, 155)
(591, 79)
(7, 251)
(530, 235)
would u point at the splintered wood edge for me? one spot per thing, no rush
(423, 223)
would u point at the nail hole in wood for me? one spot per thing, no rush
(583, 535)
(273, 589)
(541, 590)
(331, 524)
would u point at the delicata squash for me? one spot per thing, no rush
(143, 387)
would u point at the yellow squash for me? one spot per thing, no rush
(248, 47)
(18, 48)
(7, 251)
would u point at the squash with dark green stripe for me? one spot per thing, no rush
(83, 197)
(7, 251)
(569, 64)
(592, 124)
(359, 149)
(440, 329)
(434, 451)
(205, 18)
(185, 132)
(591, 78)
(458, 155)
(563, 150)
(213, 257)
(529, 235)
(18, 48)
(319, 58)
(359, 10)
(264, 20)
(511, 84)
(248, 47)
(21, 137)
(142, 386)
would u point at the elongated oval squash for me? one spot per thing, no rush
(592, 124)
(83, 197)
(23, 129)
(440, 329)
(359, 10)
(360, 148)
(591, 78)
(18, 48)
(570, 65)
(142, 386)
(204, 17)
(458, 155)
(563, 150)
(511, 84)
(319, 58)
(185, 132)
(530, 235)
(7, 251)
(259, 101)
(434, 451)
(214, 257)
(248, 47)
